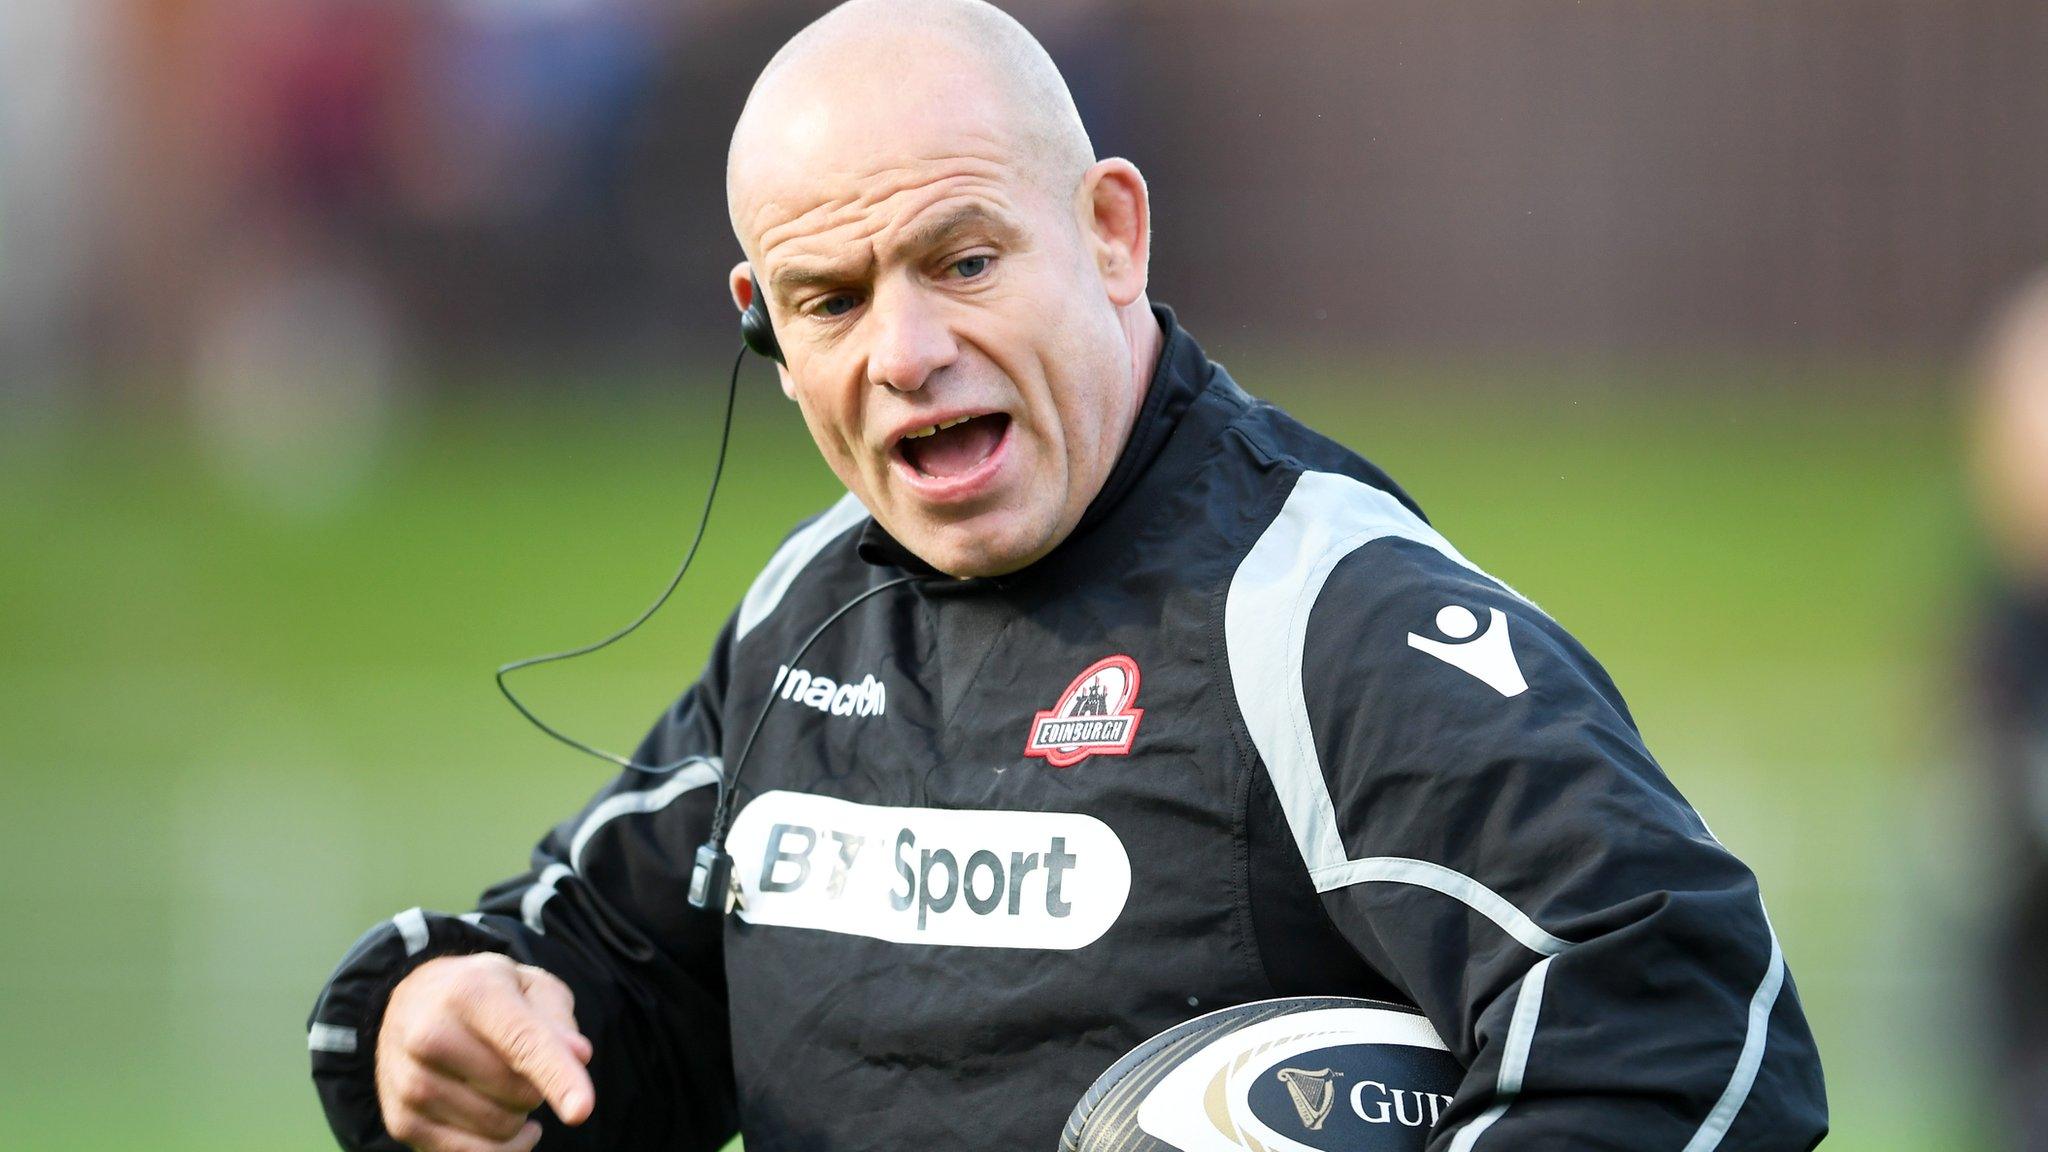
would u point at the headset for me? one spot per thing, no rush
(711, 886)
(755, 329)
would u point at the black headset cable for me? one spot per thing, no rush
(703, 521)
(713, 870)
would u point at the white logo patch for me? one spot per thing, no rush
(1489, 658)
(985, 879)
(870, 697)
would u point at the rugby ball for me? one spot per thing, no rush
(1302, 1074)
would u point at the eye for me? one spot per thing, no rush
(971, 267)
(838, 305)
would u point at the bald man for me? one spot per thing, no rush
(1106, 697)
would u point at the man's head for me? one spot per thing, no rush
(2012, 433)
(936, 240)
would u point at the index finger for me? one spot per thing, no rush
(533, 1048)
(552, 999)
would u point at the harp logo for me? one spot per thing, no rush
(1096, 716)
(1312, 1093)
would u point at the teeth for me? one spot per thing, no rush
(930, 429)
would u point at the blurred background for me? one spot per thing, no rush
(349, 348)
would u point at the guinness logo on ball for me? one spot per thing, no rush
(1312, 1092)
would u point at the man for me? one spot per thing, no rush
(2011, 682)
(1182, 706)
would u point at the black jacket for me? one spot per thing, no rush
(1254, 729)
(2011, 682)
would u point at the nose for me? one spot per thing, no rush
(911, 339)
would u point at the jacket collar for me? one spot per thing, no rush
(1179, 376)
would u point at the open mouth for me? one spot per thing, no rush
(955, 448)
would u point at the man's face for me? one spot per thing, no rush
(949, 338)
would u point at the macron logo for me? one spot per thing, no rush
(1487, 658)
(870, 697)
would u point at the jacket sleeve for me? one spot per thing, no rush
(603, 908)
(1486, 829)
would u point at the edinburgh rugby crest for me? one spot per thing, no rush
(1096, 716)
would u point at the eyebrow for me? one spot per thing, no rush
(788, 279)
(925, 236)
(965, 218)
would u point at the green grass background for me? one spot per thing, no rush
(239, 722)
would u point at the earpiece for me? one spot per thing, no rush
(755, 328)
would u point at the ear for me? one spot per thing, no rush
(740, 281)
(1116, 217)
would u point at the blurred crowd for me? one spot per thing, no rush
(204, 191)
(538, 183)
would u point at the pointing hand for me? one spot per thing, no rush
(470, 1046)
